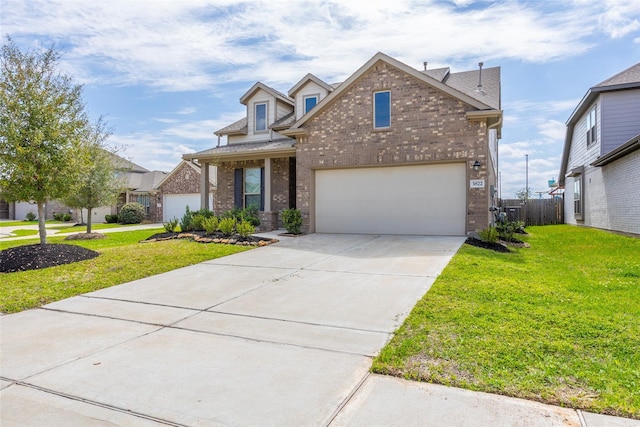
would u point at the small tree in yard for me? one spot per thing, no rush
(101, 182)
(43, 126)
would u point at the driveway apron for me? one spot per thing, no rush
(281, 335)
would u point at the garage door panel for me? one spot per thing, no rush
(424, 199)
(175, 205)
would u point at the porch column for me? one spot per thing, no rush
(204, 186)
(268, 162)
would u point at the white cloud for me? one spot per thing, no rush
(553, 129)
(620, 18)
(192, 45)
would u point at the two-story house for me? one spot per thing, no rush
(391, 150)
(600, 168)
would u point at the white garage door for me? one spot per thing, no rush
(421, 200)
(175, 205)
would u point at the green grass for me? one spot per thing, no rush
(558, 323)
(12, 223)
(19, 233)
(122, 259)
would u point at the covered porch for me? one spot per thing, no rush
(258, 174)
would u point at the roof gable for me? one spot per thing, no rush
(305, 80)
(452, 91)
(244, 99)
(629, 76)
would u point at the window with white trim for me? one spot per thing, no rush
(252, 185)
(260, 117)
(591, 126)
(382, 109)
(310, 102)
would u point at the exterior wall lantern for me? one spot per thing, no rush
(476, 165)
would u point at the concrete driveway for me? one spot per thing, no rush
(281, 335)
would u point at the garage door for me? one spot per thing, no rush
(422, 200)
(175, 205)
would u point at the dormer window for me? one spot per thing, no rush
(310, 102)
(591, 126)
(261, 117)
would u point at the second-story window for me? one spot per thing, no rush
(591, 126)
(382, 109)
(261, 117)
(310, 102)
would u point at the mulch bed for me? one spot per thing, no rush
(499, 246)
(34, 257)
(202, 237)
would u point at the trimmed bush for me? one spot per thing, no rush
(489, 235)
(227, 226)
(111, 219)
(292, 220)
(245, 229)
(66, 217)
(197, 222)
(132, 213)
(58, 216)
(249, 214)
(210, 225)
(30, 216)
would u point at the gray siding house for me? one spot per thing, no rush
(600, 168)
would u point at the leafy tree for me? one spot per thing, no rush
(42, 128)
(101, 180)
(523, 194)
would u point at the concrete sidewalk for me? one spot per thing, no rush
(281, 335)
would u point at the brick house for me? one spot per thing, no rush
(391, 150)
(600, 167)
(181, 188)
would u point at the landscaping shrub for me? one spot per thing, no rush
(111, 219)
(207, 213)
(58, 216)
(226, 226)
(30, 216)
(66, 217)
(196, 222)
(171, 225)
(210, 225)
(245, 229)
(132, 213)
(489, 235)
(292, 220)
(186, 223)
(249, 214)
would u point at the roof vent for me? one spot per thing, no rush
(425, 65)
(479, 89)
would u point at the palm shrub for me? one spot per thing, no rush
(245, 229)
(132, 213)
(210, 225)
(292, 220)
(226, 226)
(171, 225)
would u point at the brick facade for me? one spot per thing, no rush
(427, 126)
(185, 180)
(224, 199)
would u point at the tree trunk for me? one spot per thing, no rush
(88, 220)
(42, 230)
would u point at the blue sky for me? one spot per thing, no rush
(167, 74)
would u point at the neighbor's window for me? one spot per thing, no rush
(310, 102)
(591, 126)
(252, 187)
(577, 197)
(261, 117)
(382, 109)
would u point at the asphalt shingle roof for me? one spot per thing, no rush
(630, 75)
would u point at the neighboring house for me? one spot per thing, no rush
(600, 167)
(392, 150)
(139, 186)
(181, 188)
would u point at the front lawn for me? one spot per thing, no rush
(558, 323)
(122, 259)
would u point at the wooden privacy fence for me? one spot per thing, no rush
(535, 211)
